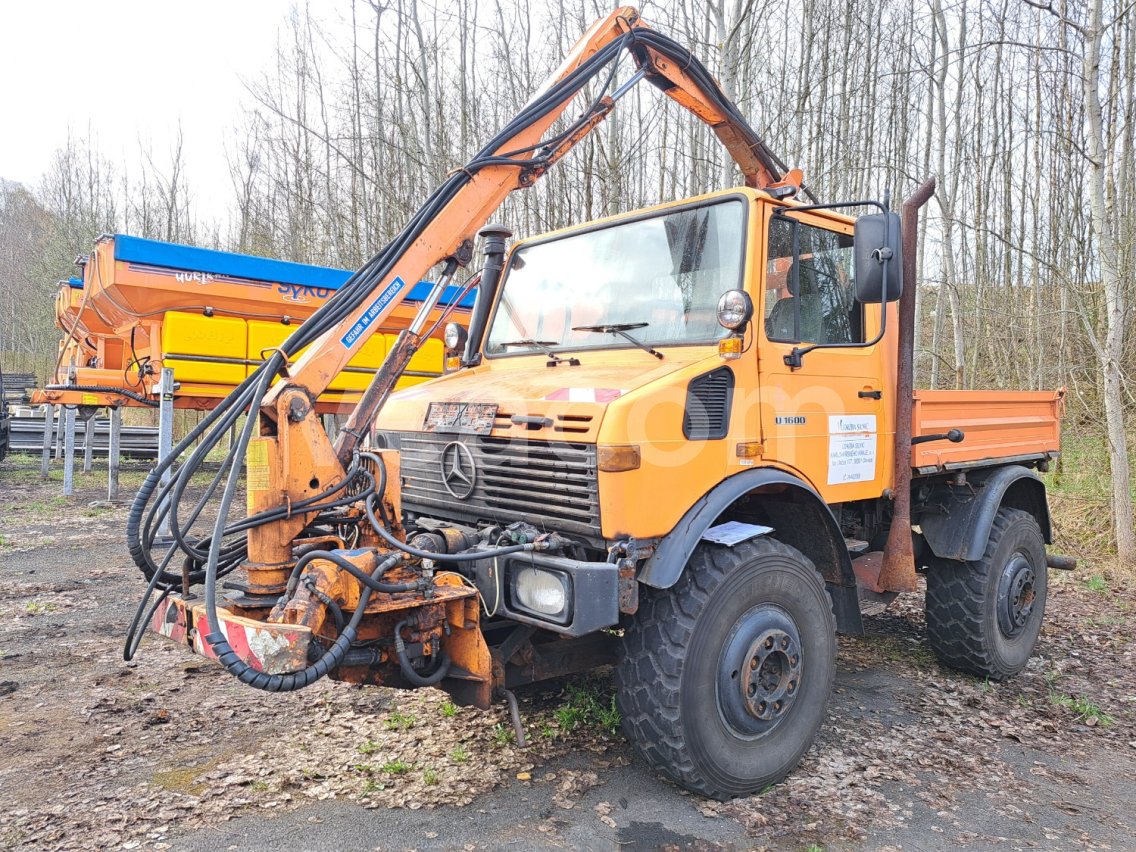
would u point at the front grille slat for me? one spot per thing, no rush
(550, 484)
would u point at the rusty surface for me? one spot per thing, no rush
(867, 567)
(898, 571)
(628, 587)
(281, 469)
(560, 657)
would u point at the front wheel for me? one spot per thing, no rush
(724, 678)
(984, 617)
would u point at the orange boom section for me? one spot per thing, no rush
(210, 316)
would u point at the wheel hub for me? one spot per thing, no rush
(773, 674)
(1015, 596)
(759, 671)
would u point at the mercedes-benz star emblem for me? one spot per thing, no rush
(459, 472)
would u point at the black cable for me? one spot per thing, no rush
(327, 662)
(368, 580)
(408, 672)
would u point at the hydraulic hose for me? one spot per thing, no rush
(368, 580)
(408, 672)
(137, 397)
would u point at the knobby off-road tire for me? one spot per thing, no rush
(723, 679)
(984, 617)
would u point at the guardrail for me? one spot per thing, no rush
(138, 442)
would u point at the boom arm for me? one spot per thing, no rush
(491, 178)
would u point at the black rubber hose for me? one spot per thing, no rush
(368, 580)
(408, 672)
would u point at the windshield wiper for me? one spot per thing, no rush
(542, 345)
(621, 328)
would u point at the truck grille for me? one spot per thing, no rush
(550, 484)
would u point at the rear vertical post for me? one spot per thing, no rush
(165, 433)
(48, 440)
(113, 452)
(88, 443)
(69, 451)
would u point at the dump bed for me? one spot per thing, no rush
(999, 426)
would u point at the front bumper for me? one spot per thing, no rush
(270, 648)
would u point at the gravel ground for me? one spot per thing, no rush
(168, 752)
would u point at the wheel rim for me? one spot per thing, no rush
(759, 671)
(1016, 595)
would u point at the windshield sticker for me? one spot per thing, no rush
(377, 306)
(585, 395)
(851, 448)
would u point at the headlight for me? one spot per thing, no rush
(544, 593)
(455, 337)
(734, 309)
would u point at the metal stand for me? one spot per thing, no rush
(59, 432)
(113, 453)
(48, 436)
(69, 451)
(165, 436)
(88, 442)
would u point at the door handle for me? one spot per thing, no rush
(870, 394)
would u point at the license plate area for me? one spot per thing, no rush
(463, 418)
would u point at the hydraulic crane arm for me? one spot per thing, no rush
(515, 160)
(289, 458)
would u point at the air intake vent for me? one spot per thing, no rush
(708, 399)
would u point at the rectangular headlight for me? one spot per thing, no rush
(547, 594)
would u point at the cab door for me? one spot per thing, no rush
(831, 419)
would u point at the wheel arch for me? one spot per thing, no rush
(775, 498)
(957, 523)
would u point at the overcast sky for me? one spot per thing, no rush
(125, 70)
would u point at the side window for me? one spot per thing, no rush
(808, 291)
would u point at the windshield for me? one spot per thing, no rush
(660, 276)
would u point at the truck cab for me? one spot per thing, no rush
(613, 388)
(667, 401)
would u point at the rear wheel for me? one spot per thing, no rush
(984, 617)
(724, 678)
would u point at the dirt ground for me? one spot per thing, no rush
(167, 751)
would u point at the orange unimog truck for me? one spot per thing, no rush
(683, 441)
(718, 456)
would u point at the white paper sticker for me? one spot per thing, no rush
(734, 532)
(851, 448)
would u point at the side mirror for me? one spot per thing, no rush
(877, 239)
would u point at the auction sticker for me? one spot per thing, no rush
(851, 448)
